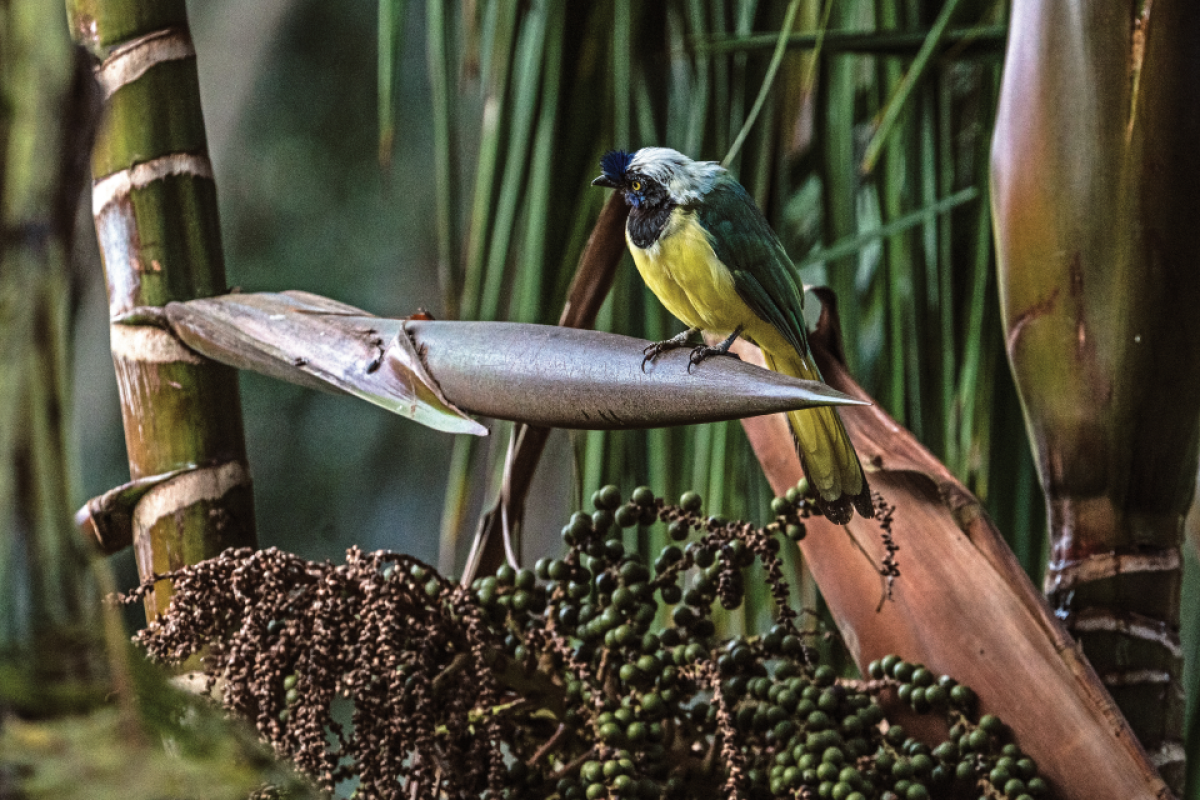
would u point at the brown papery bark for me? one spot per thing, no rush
(962, 604)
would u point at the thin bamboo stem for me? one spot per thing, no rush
(155, 207)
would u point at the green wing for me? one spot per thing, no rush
(762, 272)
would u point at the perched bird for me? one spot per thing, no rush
(709, 255)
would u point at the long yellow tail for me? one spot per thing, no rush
(828, 457)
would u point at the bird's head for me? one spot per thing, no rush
(657, 176)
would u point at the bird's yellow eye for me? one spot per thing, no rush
(636, 186)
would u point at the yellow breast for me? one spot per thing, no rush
(683, 271)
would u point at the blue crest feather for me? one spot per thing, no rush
(615, 163)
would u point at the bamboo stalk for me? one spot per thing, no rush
(1094, 165)
(155, 207)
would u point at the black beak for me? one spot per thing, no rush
(606, 182)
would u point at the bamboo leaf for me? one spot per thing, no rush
(772, 69)
(982, 39)
(915, 72)
(391, 30)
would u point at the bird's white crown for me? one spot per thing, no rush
(686, 180)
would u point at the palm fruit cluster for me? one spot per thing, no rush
(672, 711)
(593, 675)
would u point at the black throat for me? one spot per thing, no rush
(646, 223)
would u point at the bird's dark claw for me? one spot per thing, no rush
(653, 351)
(650, 353)
(704, 352)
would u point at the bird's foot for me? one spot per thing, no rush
(704, 352)
(653, 351)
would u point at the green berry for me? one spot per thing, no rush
(602, 520)
(962, 696)
(977, 740)
(642, 496)
(608, 497)
(691, 501)
(611, 733)
(627, 516)
(558, 570)
(1014, 787)
(946, 751)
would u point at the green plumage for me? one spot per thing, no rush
(762, 272)
(744, 242)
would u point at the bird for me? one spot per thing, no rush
(709, 255)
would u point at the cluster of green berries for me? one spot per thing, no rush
(650, 707)
(975, 755)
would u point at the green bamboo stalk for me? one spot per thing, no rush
(1095, 168)
(498, 67)
(525, 88)
(834, 131)
(445, 164)
(155, 207)
(904, 90)
(391, 31)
